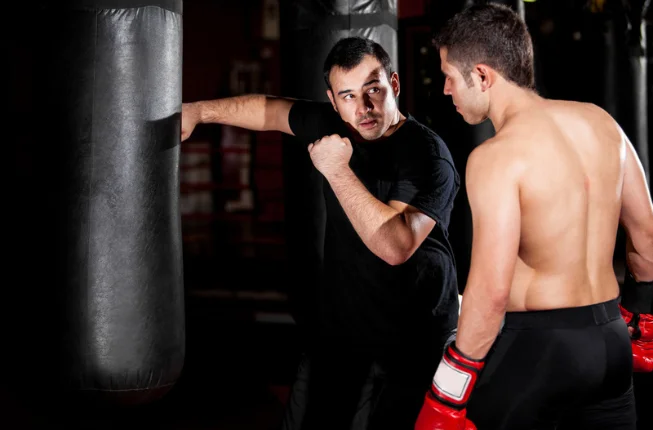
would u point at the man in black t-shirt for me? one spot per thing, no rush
(388, 298)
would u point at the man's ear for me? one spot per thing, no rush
(333, 101)
(486, 76)
(394, 83)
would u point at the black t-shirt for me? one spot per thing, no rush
(363, 301)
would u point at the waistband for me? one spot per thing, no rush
(577, 317)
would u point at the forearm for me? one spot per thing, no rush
(382, 228)
(480, 320)
(253, 112)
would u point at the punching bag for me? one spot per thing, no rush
(111, 72)
(648, 34)
(626, 49)
(309, 29)
(635, 103)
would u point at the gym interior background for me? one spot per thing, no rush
(243, 196)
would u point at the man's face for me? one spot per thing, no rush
(365, 97)
(470, 101)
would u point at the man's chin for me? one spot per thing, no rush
(474, 120)
(373, 134)
(370, 137)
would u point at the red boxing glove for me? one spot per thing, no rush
(642, 339)
(444, 404)
(636, 309)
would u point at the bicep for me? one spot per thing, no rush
(277, 114)
(636, 208)
(493, 193)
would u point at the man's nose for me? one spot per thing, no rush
(365, 105)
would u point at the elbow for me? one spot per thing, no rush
(400, 243)
(498, 299)
(642, 237)
(649, 237)
(494, 294)
(639, 253)
(640, 264)
(399, 255)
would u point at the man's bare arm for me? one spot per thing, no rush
(253, 112)
(493, 193)
(391, 231)
(637, 217)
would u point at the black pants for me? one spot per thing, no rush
(354, 395)
(558, 369)
(338, 390)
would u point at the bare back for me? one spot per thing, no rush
(570, 201)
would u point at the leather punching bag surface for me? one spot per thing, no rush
(625, 86)
(309, 29)
(112, 93)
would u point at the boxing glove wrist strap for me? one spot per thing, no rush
(637, 297)
(455, 377)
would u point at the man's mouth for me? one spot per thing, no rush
(368, 123)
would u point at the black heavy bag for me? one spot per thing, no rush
(309, 29)
(643, 382)
(111, 71)
(626, 87)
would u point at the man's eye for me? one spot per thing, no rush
(348, 96)
(373, 90)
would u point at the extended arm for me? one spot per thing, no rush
(253, 112)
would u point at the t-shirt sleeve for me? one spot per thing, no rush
(429, 185)
(311, 120)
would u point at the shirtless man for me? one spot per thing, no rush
(547, 194)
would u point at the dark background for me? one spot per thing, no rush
(242, 344)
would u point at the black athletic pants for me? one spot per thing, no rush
(557, 369)
(343, 390)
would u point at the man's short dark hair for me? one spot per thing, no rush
(490, 34)
(349, 52)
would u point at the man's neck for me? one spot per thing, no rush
(507, 101)
(397, 122)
